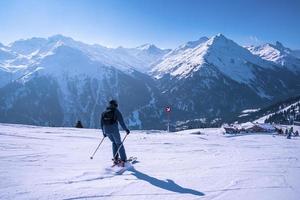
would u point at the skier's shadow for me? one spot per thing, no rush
(167, 184)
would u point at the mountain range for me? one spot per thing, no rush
(56, 81)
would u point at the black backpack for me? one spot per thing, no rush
(109, 117)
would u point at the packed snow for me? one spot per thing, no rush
(54, 163)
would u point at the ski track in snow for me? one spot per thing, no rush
(53, 163)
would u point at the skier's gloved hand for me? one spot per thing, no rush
(104, 135)
(127, 131)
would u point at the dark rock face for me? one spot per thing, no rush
(35, 102)
(41, 101)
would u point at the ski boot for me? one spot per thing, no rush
(115, 162)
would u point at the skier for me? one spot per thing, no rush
(78, 124)
(109, 125)
(290, 133)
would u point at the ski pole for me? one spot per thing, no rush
(97, 147)
(121, 145)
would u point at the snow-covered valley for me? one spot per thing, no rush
(53, 163)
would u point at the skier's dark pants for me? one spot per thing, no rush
(115, 138)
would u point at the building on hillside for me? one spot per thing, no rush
(249, 127)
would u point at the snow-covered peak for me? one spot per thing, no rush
(27, 46)
(34, 45)
(192, 44)
(278, 53)
(266, 51)
(147, 46)
(58, 40)
(33, 50)
(189, 45)
(220, 41)
(219, 51)
(59, 37)
(219, 38)
(151, 49)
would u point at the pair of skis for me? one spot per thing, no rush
(119, 170)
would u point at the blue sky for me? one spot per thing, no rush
(166, 23)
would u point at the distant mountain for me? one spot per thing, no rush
(188, 45)
(122, 58)
(219, 51)
(217, 78)
(27, 47)
(278, 54)
(5, 53)
(58, 80)
(145, 56)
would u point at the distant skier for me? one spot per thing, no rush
(78, 124)
(286, 131)
(290, 133)
(109, 125)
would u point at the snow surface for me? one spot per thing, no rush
(250, 110)
(53, 163)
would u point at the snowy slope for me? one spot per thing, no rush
(262, 119)
(53, 163)
(188, 45)
(281, 110)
